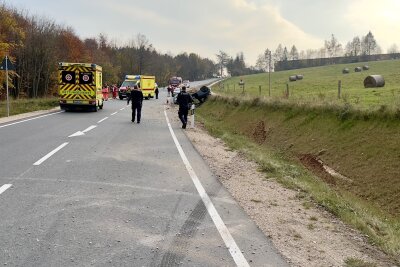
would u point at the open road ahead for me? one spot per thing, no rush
(95, 189)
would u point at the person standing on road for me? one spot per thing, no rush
(156, 92)
(184, 101)
(136, 96)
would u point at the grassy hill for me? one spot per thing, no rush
(320, 86)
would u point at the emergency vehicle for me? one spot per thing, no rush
(80, 86)
(146, 83)
(130, 81)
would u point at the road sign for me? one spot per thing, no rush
(6, 64)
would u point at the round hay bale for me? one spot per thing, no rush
(293, 78)
(299, 77)
(365, 67)
(345, 71)
(373, 81)
(357, 69)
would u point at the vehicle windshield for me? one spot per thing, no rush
(175, 81)
(128, 83)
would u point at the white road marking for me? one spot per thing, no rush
(219, 223)
(40, 161)
(4, 188)
(113, 113)
(30, 119)
(78, 133)
(89, 128)
(121, 108)
(100, 121)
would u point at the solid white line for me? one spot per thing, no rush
(40, 161)
(30, 119)
(4, 188)
(100, 121)
(113, 113)
(219, 223)
(89, 128)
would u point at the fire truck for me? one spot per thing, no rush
(174, 85)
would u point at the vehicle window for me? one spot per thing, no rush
(128, 83)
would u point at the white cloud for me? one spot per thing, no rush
(379, 17)
(207, 26)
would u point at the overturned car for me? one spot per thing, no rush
(202, 94)
(198, 97)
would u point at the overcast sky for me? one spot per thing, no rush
(207, 26)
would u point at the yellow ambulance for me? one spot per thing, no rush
(148, 86)
(146, 83)
(80, 86)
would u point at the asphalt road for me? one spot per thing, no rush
(95, 189)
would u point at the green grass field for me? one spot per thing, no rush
(320, 86)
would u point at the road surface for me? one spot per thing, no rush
(95, 189)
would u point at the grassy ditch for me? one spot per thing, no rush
(290, 141)
(27, 105)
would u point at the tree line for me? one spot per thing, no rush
(36, 45)
(333, 52)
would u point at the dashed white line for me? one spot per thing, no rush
(78, 133)
(89, 128)
(121, 109)
(4, 188)
(40, 161)
(30, 119)
(219, 223)
(113, 113)
(100, 121)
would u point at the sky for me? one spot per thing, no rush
(208, 26)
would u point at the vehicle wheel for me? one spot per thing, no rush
(121, 98)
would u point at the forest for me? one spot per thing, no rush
(36, 45)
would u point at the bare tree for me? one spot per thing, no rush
(332, 46)
(369, 45)
(353, 48)
(143, 47)
(278, 55)
(393, 49)
(222, 60)
(264, 61)
(294, 54)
